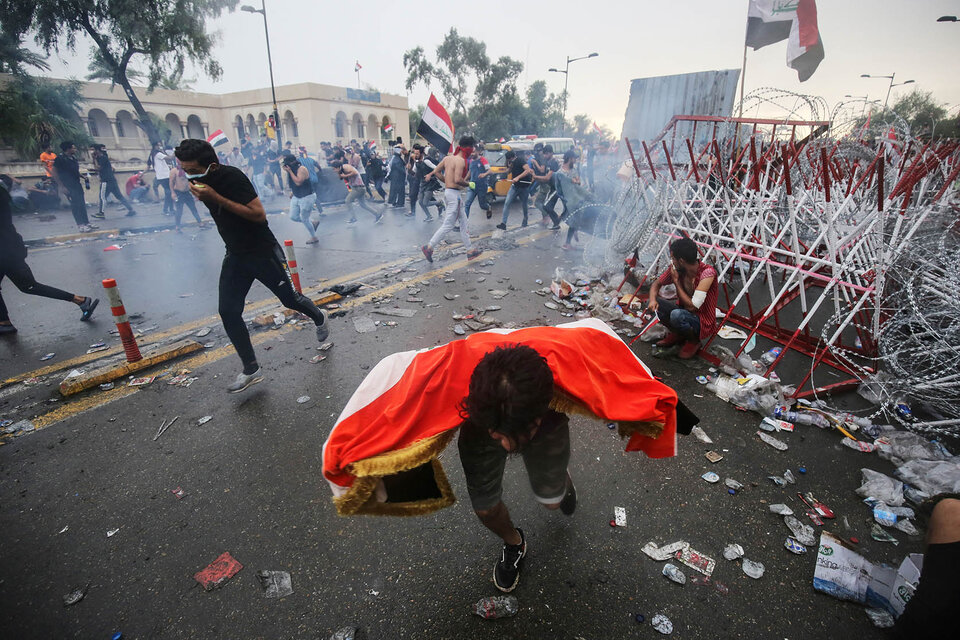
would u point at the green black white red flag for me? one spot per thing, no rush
(436, 127)
(770, 21)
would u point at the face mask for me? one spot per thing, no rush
(196, 176)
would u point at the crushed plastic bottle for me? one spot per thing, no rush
(779, 445)
(788, 476)
(883, 515)
(777, 480)
(878, 534)
(711, 477)
(907, 527)
(671, 571)
(733, 484)
(880, 618)
(804, 533)
(793, 546)
(753, 569)
(701, 435)
(857, 445)
(662, 624)
(800, 417)
(770, 356)
(732, 552)
(781, 509)
(497, 607)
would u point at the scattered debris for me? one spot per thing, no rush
(804, 533)
(773, 442)
(112, 532)
(303, 399)
(48, 356)
(459, 330)
(711, 477)
(496, 607)
(696, 560)
(671, 571)
(326, 346)
(179, 493)
(713, 456)
(396, 312)
(347, 633)
(781, 509)
(318, 358)
(140, 382)
(205, 331)
(364, 324)
(76, 595)
(701, 435)
(793, 546)
(732, 552)
(164, 425)
(275, 584)
(753, 569)
(218, 572)
(662, 624)
(665, 552)
(620, 516)
(204, 420)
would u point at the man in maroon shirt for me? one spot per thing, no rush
(692, 318)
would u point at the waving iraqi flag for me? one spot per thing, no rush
(382, 456)
(770, 21)
(436, 127)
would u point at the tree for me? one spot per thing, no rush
(416, 115)
(161, 34)
(44, 112)
(469, 84)
(14, 58)
(925, 116)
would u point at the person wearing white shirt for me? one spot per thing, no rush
(162, 170)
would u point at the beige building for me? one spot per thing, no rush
(309, 113)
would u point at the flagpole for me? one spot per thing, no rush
(743, 75)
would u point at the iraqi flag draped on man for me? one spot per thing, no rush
(436, 127)
(770, 21)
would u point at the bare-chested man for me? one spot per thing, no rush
(453, 168)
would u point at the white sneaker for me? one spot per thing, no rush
(244, 380)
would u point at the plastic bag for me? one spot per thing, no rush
(902, 446)
(882, 487)
(656, 332)
(931, 476)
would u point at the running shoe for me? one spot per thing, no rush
(506, 573)
(243, 381)
(87, 307)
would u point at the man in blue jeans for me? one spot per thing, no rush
(692, 318)
(479, 170)
(521, 179)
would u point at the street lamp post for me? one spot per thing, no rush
(566, 77)
(273, 91)
(866, 100)
(891, 76)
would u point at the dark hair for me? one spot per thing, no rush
(569, 155)
(66, 144)
(509, 155)
(290, 160)
(510, 388)
(467, 141)
(548, 148)
(538, 147)
(685, 249)
(199, 151)
(6, 180)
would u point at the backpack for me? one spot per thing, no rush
(312, 169)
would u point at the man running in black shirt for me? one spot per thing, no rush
(13, 265)
(252, 251)
(66, 171)
(108, 181)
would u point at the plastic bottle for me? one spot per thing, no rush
(770, 356)
(801, 417)
(497, 607)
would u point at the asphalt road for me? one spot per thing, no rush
(253, 486)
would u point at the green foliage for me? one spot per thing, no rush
(416, 115)
(925, 116)
(43, 111)
(15, 59)
(162, 35)
(481, 94)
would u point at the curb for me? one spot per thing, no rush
(112, 372)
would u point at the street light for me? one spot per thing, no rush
(948, 19)
(866, 100)
(891, 76)
(566, 77)
(276, 114)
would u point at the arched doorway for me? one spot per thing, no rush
(340, 125)
(126, 126)
(98, 124)
(290, 130)
(238, 125)
(195, 128)
(357, 126)
(373, 128)
(176, 129)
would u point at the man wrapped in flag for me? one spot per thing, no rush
(508, 391)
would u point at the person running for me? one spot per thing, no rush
(428, 188)
(47, 156)
(252, 251)
(355, 184)
(544, 171)
(375, 171)
(453, 168)
(303, 198)
(13, 265)
(413, 178)
(479, 170)
(521, 177)
(181, 189)
(66, 171)
(397, 176)
(161, 169)
(108, 181)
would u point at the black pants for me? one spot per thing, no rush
(167, 197)
(236, 276)
(108, 187)
(78, 206)
(20, 275)
(414, 183)
(396, 190)
(378, 185)
(185, 198)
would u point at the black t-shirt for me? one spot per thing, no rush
(258, 162)
(516, 168)
(68, 169)
(105, 167)
(239, 234)
(11, 244)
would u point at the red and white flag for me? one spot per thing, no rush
(357, 67)
(770, 21)
(409, 402)
(388, 128)
(217, 138)
(436, 127)
(597, 128)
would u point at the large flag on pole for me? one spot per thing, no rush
(217, 138)
(436, 127)
(770, 21)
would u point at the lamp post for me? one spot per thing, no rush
(566, 77)
(866, 101)
(891, 76)
(273, 91)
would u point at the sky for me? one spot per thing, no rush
(319, 41)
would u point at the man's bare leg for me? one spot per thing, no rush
(498, 520)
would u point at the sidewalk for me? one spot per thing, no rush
(49, 227)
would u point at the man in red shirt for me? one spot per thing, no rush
(692, 318)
